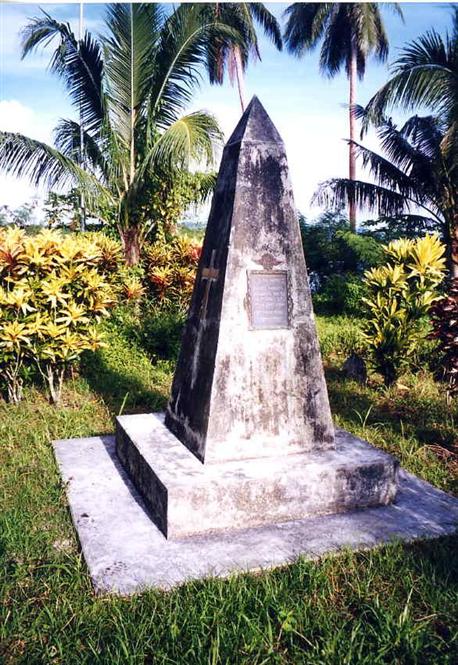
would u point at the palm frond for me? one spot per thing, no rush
(425, 133)
(425, 74)
(78, 64)
(129, 47)
(222, 51)
(336, 47)
(306, 24)
(339, 26)
(372, 35)
(337, 192)
(191, 138)
(207, 184)
(41, 164)
(402, 153)
(268, 22)
(181, 57)
(67, 139)
(385, 172)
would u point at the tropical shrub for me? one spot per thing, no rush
(341, 294)
(339, 336)
(125, 281)
(52, 296)
(170, 270)
(331, 248)
(401, 294)
(336, 259)
(445, 330)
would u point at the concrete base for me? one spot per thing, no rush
(186, 497)
(126, 553)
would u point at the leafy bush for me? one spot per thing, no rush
(156, 330)
(445, 330)
(170, 270)
(341, 294)
(339, 335)
(161, 331)
(336, 259)
(52, 296)
(401, 295)
(331, 248)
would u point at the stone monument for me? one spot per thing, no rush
(247, 438)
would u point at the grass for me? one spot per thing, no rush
(395, 604)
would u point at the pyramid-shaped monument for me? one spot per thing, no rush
(247, 437)
(249, 380)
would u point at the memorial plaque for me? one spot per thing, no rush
(268, 297)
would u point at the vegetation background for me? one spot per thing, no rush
(128, 155)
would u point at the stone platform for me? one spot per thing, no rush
(186, 497)
(126, 553)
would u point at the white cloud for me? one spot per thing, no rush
(314, 146)
(16, 117)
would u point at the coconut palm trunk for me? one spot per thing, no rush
(349, 33)
(239, 77)
(131, 239)
(352, 120)
(454, 249)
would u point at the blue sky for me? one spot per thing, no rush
(307, 109)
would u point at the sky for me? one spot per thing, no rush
(308, 110)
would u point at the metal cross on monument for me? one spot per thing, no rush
(210, 275)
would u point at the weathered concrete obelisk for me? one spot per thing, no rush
(249, 380)
(248, 436)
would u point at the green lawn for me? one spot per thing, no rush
(397, 604)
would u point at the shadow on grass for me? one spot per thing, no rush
(122, 390)
(425, 418)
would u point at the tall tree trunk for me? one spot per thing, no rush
(132, 108)
(454, 250)
(131, 243)
(352, 119)
(450, 237)
(82, 160)
(240, 77)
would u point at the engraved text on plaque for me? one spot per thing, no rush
(268, 297)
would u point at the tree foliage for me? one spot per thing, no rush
(52, 295)
(424, 74)
(130, 89)
(444, 319)
(340, 27)
(336, 258)
(401, 293)
(242, 17)
(414, 180)
(349, 33)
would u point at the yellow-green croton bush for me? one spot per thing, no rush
(54, 291)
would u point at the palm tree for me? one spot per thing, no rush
(230, 56)
(349, 32)
(425, 74)
(130, 89)
(415, 181)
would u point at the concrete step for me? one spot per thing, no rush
(186, 497)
